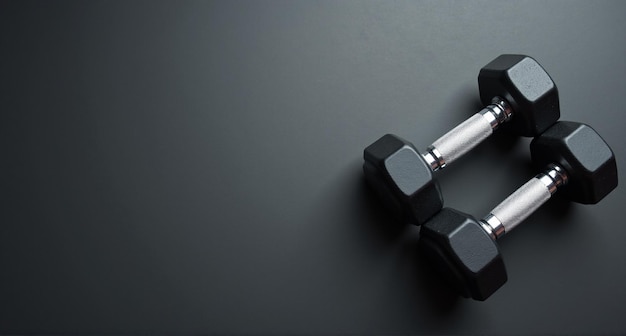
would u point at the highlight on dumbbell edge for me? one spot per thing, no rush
(576, 161)
(517, 92)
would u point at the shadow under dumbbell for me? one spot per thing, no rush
(435, 290)
(381, 223)
(420, 282)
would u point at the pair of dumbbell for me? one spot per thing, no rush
(521, 97)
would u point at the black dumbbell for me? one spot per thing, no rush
(579, 163)
(516, 90)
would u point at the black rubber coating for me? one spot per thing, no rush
(527, 87)
(464, 253)
(581, 151)
(402, 179)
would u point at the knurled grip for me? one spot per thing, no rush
(520, 204)
(463, 138)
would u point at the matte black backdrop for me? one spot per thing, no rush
(196, 166)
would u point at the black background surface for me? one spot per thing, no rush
(196, 166)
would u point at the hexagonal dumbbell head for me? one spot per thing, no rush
(464, 253)
(402, 179)
(585, 156)
(528, 89)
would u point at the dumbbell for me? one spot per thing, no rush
(577, 161)
(516, 90)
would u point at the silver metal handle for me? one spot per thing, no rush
(524, 201)
(467, 135)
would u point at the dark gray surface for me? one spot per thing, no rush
(196, 166)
